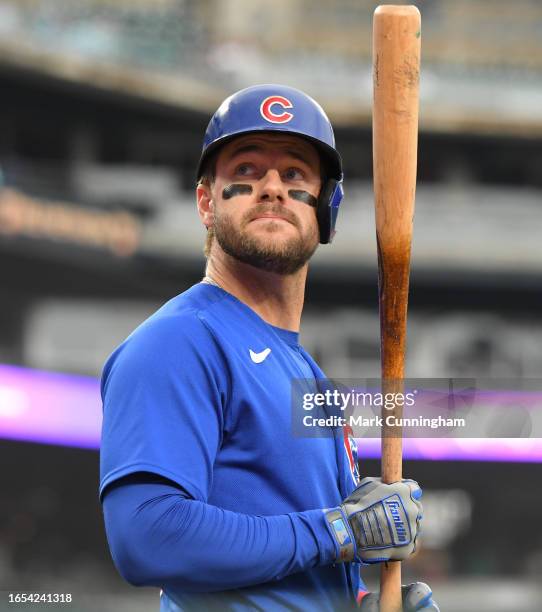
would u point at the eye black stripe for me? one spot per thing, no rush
(303, 196)
(236, 189)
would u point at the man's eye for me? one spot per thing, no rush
(245, 169)
(293, 174)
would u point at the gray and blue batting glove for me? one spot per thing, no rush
(377, 522)
(416, 596)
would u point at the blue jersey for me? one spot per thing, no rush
(200, 394)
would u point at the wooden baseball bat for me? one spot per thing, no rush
(396, 64)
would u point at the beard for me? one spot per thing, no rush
(281, 257)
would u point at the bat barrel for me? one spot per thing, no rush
(396, 69)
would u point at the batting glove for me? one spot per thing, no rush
(416, 596)
(377, 522)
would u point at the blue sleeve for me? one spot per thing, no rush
(164, 392)
(158, 536)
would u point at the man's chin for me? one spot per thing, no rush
(280, 257)
(284, 266)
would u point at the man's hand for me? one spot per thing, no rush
(377, 522)
(416, 596)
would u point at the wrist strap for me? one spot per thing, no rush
(342, 534)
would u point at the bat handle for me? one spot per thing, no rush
(390, 587)
(390, 573)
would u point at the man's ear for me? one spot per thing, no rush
(205, 204)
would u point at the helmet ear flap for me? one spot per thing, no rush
(329, 200)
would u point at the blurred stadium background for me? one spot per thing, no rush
(102, 110)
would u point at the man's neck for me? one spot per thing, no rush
(277, 298)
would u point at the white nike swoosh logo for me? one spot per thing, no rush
(259, 357)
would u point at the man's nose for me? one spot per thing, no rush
(272, 188)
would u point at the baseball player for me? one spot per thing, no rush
(206, 493)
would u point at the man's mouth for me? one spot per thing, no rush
(271, 216)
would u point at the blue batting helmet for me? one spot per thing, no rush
(277, 108)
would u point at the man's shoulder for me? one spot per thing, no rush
(183, 313)
(173, 330)
(318, 372)
(191, 303)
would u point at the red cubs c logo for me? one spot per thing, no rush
(267, 111)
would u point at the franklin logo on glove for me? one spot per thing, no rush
(397, 514)
(381, 521)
